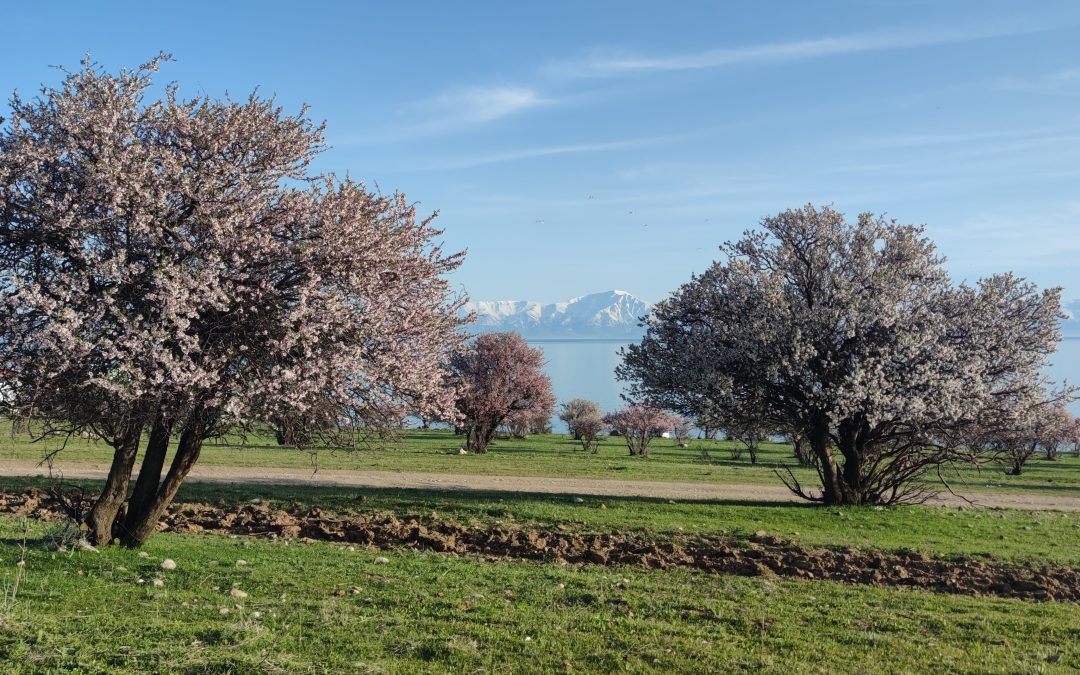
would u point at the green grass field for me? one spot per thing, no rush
(553, 455)
(322, 608)
(319, 607)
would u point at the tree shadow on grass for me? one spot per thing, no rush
(369, 498)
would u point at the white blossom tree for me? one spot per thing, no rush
(173, 268)
(577, 409)
(1019, 426)
(851, 335)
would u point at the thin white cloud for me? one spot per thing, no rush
(610, 65)
(980, 138)
(451, 110)
(1064, 81)
(482, 104)
(547, 151)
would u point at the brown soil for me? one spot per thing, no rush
(762, 555)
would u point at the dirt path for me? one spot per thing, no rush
(209, 473)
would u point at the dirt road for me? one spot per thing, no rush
(529, 484)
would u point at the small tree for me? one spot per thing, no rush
(680, 429)
(1060, 431)
(1020, 427)
(496, 377)
(578, 409)
(638, 424)
(521, 423)
(589, 429)
(749, 436)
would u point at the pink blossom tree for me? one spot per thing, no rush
(172, 269)
(638, 424)
(588, 430)
(498, 377)
(521, 423)
(851, 335)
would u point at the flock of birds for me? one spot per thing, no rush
(541, 221)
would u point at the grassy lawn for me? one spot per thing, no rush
(552, 455)
(1021, 536)
(430, 613)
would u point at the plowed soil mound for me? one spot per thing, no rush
(758, 556)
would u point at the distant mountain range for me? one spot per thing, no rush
(606, 315)
(610, 315)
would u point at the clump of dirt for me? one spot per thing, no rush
(761, 555)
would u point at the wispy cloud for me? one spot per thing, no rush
(1064, 81)
(988, 138)
(482, 104)
(545, 151)
(609, 65)
(452, 110)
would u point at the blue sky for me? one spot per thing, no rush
(577, 147)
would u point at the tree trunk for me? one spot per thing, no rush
(853, 450)
(803, 453)
(146, 484)
(832, 493)
(478, 435)
(102, 516)
(141, 524)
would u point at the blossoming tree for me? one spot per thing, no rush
(638, 424)
(852, 336)
(498, 377)
(584, 421)
(173, 269)
(578, 409)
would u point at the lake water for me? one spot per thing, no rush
(586, 369)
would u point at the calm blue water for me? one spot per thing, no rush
(586, 369)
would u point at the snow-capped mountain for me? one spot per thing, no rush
(611, 314)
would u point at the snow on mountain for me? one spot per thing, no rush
(611, 314)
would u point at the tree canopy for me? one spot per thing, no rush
(175, 266)
(853, 336)
(498, 377)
